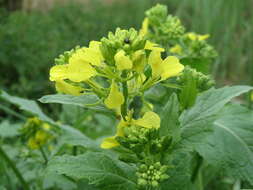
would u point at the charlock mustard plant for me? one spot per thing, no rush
(118, 69)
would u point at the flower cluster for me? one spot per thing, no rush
(36, 132)
(118, 70)
(167, 30)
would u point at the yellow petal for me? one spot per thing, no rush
(32, 144)
(155, 62)
(171, 67)
(115, 98)
(176, 49)
(192, 36)
(152, 46)
(58, 72)
(109, 142)
(93, 54)
(149, 120)
(203, 37)
(122, 61)
(46, 126)
(41, 137)
(139, 61)
(66, 88)
(144, 28)
(79, 71)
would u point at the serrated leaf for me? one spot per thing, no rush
(26, 105)
(86, 101)
(98, 168)
(196, 122)
(231, 145)
(169, 118)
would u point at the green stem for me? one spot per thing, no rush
(197, 175)
(125, 94)
(11, 112)
(15, 169)
(43, 155)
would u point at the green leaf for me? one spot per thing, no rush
(169, 118)
(196, 122)
(87, 101)
(9, 130)
(231, 145)
(100, 169)
(181, 172)
(53, 181)
(26, 105)
(74, 137)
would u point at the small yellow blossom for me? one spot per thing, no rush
(40, 138)
(144, 28)
(166, 68)
(77, 70)
(177, 49)
(115, 98)
(122, 61)
(152, 46)
(192, 36)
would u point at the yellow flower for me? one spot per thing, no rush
(66, 88)
(144, 28)
(177, 49)
(167, 68)
(115, 98)
(122, 61)
(32, 144)
(40, 138)
(152, 46)
(149, 120)
(192, 36)
(77, 70)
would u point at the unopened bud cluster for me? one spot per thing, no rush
(152, 175)
(36, 133)
(203, 82)
(135, 138)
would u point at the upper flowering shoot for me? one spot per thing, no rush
(114, 69)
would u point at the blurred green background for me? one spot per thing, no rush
(31, 37)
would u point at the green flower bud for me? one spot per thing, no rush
(142, 182)
(154, 183)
